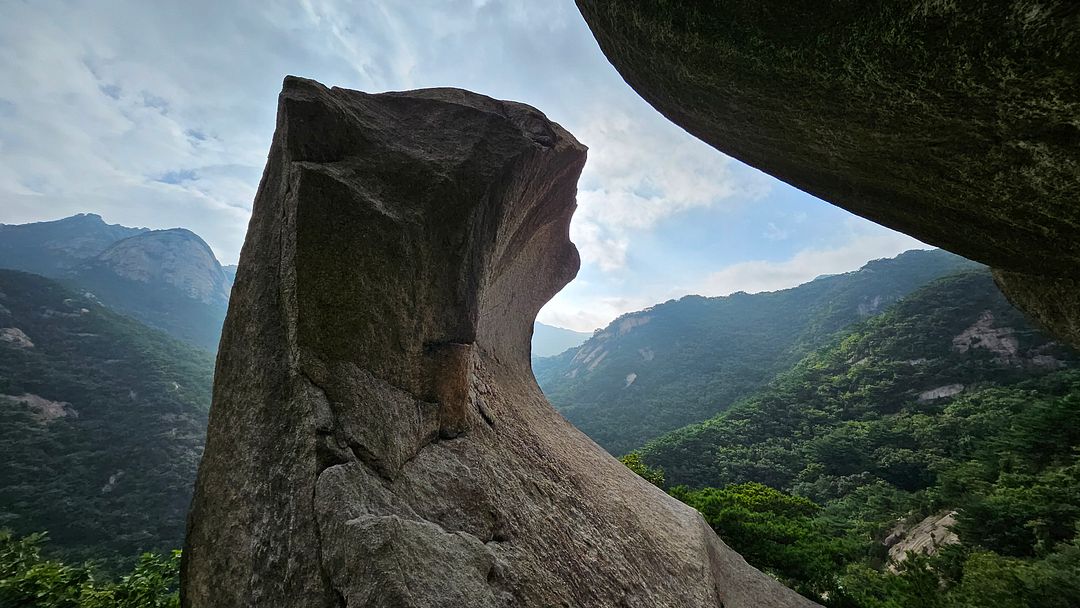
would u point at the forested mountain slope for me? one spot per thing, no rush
(683, 361)
(102, 422)
(947, 426)
(886, 401)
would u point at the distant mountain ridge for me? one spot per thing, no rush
(56, 248)
(683, 361)
(177, 257)
(169, 279)
(954, 337)
(549, 340)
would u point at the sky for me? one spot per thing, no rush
(160, 114)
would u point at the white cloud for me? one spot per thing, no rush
(776, 233)
(101, 111)
(160, 115)
(758, 276)
(582, 307)
(591, 312)
(641, 172)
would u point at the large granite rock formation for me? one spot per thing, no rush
(955, 122)
(376, 437)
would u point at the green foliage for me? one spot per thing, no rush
(694, 357)
(653, 475)
(28, 579)
(159, 305)
(108, 470)
(774, 531)
(853, 408)
(856, 428)
(963, 578)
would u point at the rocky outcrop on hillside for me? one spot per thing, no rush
(177, 258)
(376, 437)
(681, 362)
(954, 122)
(925, 537)
(168, 279)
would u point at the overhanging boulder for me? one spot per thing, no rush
(957, 123)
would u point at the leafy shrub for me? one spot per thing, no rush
(28, 579)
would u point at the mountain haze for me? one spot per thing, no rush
(683, 361)
(168, 279)
(57, 248)
(548, 340)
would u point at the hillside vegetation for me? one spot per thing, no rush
(102, 421)
(167, 279)
(684, 361)
(950, 406)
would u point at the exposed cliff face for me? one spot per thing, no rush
(177, 258)
(957, 123)
(376, 437)
(168, 279)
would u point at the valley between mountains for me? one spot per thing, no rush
(822, 430)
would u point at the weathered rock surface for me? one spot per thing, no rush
(1053, 302)
(957, 123)
(926, 537)
(377, 438)
(178, 258)
(168, 279)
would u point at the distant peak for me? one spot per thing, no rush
(175, 236)
(177, 231)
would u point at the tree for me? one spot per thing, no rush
(27, 579)
(653, 475)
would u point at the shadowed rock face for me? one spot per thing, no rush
(957, 123)
(376, 437)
